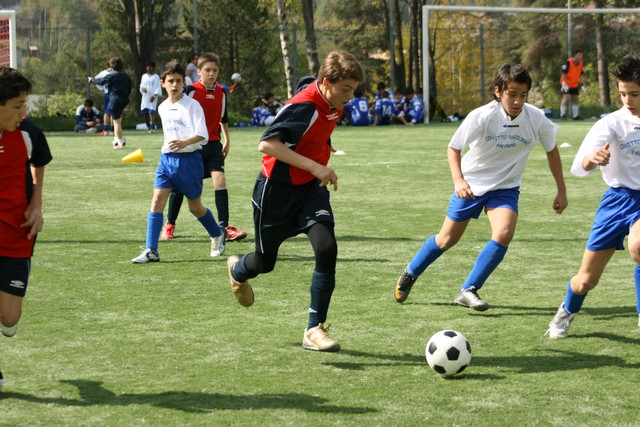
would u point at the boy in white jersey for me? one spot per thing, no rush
(180, 167)
(613, 144)
(499, 137)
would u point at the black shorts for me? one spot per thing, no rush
(212, 158)
(14, 275)
(117, 106)
(571, 91)
(283, 210)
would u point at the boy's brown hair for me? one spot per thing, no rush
(172, 67)
(340, 65)
(208, 57)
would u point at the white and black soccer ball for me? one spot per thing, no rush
(448, 352)
(236, 78)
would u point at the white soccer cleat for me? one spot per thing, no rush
(559, 326)
(146, 256)
(217, 243)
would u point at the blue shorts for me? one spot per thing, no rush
(181, 171)
(147, 111)
(619, 209)
(14, 275)
(464, 209)
(105, 102)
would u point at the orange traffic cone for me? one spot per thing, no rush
(134, 157)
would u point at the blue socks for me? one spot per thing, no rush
(573, 302)
(322, 285)
(636, 276)
(428, 253)
(209, 223)
(488, 259)
(154, 227)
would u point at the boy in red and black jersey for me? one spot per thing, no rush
(23, 155)
(291, 196)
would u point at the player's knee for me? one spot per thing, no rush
(634, 251)
(583, 283)
(265, 263)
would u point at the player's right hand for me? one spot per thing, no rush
(601, 156)
(463, 190)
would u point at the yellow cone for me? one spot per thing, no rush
(134, 157)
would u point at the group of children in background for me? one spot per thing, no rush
(403, 107)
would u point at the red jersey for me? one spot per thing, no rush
(304, 125)
(18, 149)
(214, 103)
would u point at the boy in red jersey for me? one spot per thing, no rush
(213, 99)
(291, 196)
(23, 155)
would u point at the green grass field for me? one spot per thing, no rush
(103, 342)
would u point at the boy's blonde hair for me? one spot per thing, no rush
(340, 65)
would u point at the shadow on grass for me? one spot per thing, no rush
(93, 393)
(558, 361)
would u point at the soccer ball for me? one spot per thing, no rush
(448, 353)
(236, 78)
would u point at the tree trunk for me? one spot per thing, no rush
(284, 46)
(414, 46)
(603, 66)
(399, 65)
(145, 21)
(310, 37)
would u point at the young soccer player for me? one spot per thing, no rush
(357, 110)
(384, 110)
(151, 90)
(213, 99)
(180, 167)
(571, 79)
(611, 145)
(291, 196)
(119, 84)
(107, 128)
(498, 137)
(24, 153)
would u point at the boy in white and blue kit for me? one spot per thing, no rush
(185, 133)
(613, 145)
(498, 137)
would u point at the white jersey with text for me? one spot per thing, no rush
(181, 120)
(621, 130)
(498, 147)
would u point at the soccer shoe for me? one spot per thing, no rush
(217, 243)
(117, 145)
(1, 381)
(167, 231)
(563, 117)
(233, 234)
(241, 290)
(403, 286)
(103, 133)
(559, 325)
(146, 256)
(577, 118)
(470, 298)
(8, 331)
(317, 339)
(639, 320)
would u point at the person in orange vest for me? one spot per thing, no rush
(571, 81)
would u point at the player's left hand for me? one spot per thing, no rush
(35, 221)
